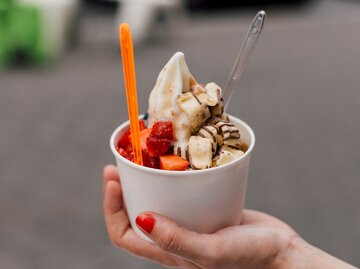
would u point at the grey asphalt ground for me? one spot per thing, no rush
(300, 94)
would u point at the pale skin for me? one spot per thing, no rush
(260, 242)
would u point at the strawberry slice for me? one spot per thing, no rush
(144, 134)
(127, 153)
(163, 129)
(148, 161)
(121, 151)
(157, 146)
(125, 140)
(173, 162)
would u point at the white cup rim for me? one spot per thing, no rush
(179, 173)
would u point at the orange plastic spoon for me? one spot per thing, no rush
(127, 54)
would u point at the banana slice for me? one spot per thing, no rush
(235, 143)
(215, 92)
(231, 136)
(213, 121)
(220, 140)
(228, 133)
(206, 99)
(202, 95)
(210, 132)
(228, 130)
(226, 155)
(195, 110)
(200, 152)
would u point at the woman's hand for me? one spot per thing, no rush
(261, 241)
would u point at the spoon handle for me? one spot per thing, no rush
(244, 56)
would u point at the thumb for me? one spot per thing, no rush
(169, 236)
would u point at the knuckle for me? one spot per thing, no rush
(170, 241)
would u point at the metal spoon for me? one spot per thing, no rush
(244, 55)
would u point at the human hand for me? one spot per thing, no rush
(258, 241)
(261, 241)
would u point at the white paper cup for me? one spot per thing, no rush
(203, 200)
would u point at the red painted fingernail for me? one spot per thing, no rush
(146, 222)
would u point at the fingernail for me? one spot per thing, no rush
(146, 222)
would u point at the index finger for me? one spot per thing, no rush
(118, 225)
(110, 173)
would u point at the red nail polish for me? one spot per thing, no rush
(146, 222)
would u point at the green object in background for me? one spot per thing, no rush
(4, 7)
(20, 34)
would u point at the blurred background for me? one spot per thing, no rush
(62, 95)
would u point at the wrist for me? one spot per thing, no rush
(298, 254)
(293, 249)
